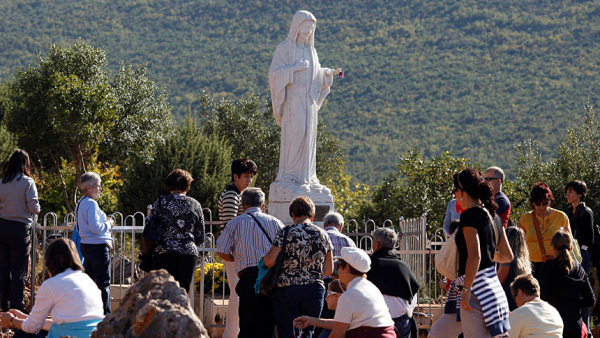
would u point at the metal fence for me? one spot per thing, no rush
(414, 247)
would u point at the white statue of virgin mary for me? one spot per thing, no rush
(298, 87)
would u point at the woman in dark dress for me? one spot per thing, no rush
(565, 285)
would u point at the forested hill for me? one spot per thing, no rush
(471, 76)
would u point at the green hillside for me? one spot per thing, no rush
(469, 76)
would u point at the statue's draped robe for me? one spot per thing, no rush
(296, 98)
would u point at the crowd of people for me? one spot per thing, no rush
(542, 276)
(526, 280)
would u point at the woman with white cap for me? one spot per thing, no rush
(361, 310)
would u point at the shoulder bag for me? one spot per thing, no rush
(536, 225)
(268, 283)
(446, 260)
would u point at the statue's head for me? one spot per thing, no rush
(303, 26)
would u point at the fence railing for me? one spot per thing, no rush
(414, 247)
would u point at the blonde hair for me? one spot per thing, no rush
(562, 242)
(518, 244)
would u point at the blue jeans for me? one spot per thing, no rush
(403, 326)
(97, 266)
(291, 302)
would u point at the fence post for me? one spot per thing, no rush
(33, 255)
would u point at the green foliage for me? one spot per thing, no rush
(250, 130)
(471, 77)
(51, 194)
(420, 186)
(65, 107)
(8, 143)
(578, 158)
(207, 158)
(253, 134)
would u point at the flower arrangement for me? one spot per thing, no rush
(210, 269)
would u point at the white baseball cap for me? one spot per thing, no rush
(357, 258)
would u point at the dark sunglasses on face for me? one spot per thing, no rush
(491, 178)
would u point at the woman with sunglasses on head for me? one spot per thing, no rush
(480, 243)
(564, 284)
(548, 220)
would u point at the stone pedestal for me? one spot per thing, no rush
(281, 194)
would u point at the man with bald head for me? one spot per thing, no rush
(495, 176)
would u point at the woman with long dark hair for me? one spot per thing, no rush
(565, 285)
(18, 201)
(480, 242)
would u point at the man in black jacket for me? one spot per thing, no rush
(395, 281)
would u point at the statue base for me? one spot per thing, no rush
(281, 194)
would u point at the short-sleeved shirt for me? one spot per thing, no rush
(549, 225)
(305, 251)
(362, 305)
(230, 204)
(479, 219)
(503, 207)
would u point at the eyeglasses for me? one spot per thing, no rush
(454, 190)
(330, 293)
(537, 204)
(491, 178)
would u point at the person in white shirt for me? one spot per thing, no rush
(533, 317)
(361, 310)
(69, 296)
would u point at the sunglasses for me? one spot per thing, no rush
(491, 178)
(537, 204)
(330, 293)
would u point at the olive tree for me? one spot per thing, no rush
(66, 107)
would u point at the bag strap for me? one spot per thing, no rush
(77, 213)
(536, 224)
(261, 228)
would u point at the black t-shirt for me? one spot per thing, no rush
(476, 218)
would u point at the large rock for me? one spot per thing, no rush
(154, 307)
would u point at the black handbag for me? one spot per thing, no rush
(150, 238)
(268, 283)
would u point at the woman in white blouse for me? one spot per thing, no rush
(70, 297)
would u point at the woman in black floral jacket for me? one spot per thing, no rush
(182, 232)
(307, 258)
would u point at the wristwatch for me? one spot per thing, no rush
(462, 288)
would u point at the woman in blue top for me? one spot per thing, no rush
(94, 228)
(18, 201)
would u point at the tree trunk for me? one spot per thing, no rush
(56, 159)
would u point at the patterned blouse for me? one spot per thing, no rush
(182, 224)
(305, 251)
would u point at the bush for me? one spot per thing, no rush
(206, 158)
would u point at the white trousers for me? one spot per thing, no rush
(232, 321)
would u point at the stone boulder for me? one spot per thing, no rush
(154, 307)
